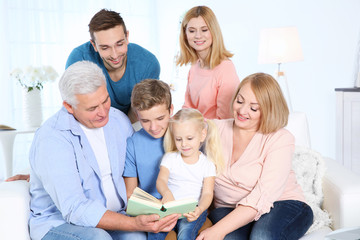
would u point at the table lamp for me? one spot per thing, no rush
(280, 45)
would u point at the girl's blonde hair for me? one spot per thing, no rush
(212, 145)
(217, 52)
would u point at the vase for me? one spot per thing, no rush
(32, 108)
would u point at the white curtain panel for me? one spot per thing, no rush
(43, 32)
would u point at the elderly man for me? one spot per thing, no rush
(77, 160)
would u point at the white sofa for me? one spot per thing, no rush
(341, 190)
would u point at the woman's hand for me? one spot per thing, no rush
(192, 216)
(19, 177)
(211, 233)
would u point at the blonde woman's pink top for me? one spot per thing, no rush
(211, 90)
(262, 175)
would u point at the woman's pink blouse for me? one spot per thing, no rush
(262, 175)
(211, 90)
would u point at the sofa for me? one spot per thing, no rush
(340, 188)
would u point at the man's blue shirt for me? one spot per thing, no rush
(141, 64)
(143, 157)
(65, 183)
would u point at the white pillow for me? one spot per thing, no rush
(309, 167)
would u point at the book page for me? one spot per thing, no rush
(179, 202)
(145, 202)
(141, 194)
(142, 202)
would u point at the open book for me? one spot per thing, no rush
(141, 202)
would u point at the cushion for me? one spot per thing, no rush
(298, 126)
(309, 167)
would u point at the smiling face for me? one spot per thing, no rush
(246, 109)
(199, 36)
(155, 120)
(111, 44)
(188, 137)
(92, 109)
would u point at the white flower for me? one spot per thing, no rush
(34, 77)
(50, 73)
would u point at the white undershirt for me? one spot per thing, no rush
(97, 142)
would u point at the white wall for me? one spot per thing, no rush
(329, 33)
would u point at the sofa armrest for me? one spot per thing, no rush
(14, 210)
(341, 189)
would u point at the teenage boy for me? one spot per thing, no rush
(151, 101)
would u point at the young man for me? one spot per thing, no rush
(124, 64)
(151, 101)
(77, 158)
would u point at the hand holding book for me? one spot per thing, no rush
(193, 216)
(141, 202)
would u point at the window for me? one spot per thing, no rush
(41, 32)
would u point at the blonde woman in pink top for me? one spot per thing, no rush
(257, 196)
(212, 79)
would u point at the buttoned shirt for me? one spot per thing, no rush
(65, 182)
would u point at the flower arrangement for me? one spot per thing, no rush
(34, 77)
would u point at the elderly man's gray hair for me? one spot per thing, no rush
(82, 77)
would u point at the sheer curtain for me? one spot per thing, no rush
(43, 32)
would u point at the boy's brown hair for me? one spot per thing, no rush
(149, 93)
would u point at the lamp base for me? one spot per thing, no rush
(281, 78)
(280, 74)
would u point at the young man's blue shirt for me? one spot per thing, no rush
(143, 157)
(141, 64)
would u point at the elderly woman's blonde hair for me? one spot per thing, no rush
(217, 51)
(273, 107)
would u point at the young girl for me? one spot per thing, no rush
(212, 78)
(186, 172)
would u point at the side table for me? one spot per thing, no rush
(348, 127)
(7, 138)
(344, 234)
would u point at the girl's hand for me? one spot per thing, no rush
(168, 197)
(211, 233)
(192, 216)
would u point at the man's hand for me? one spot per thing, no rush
(19, 177)
(151, 223)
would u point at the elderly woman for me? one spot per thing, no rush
(257, 196)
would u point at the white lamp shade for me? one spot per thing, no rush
(279, 45)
